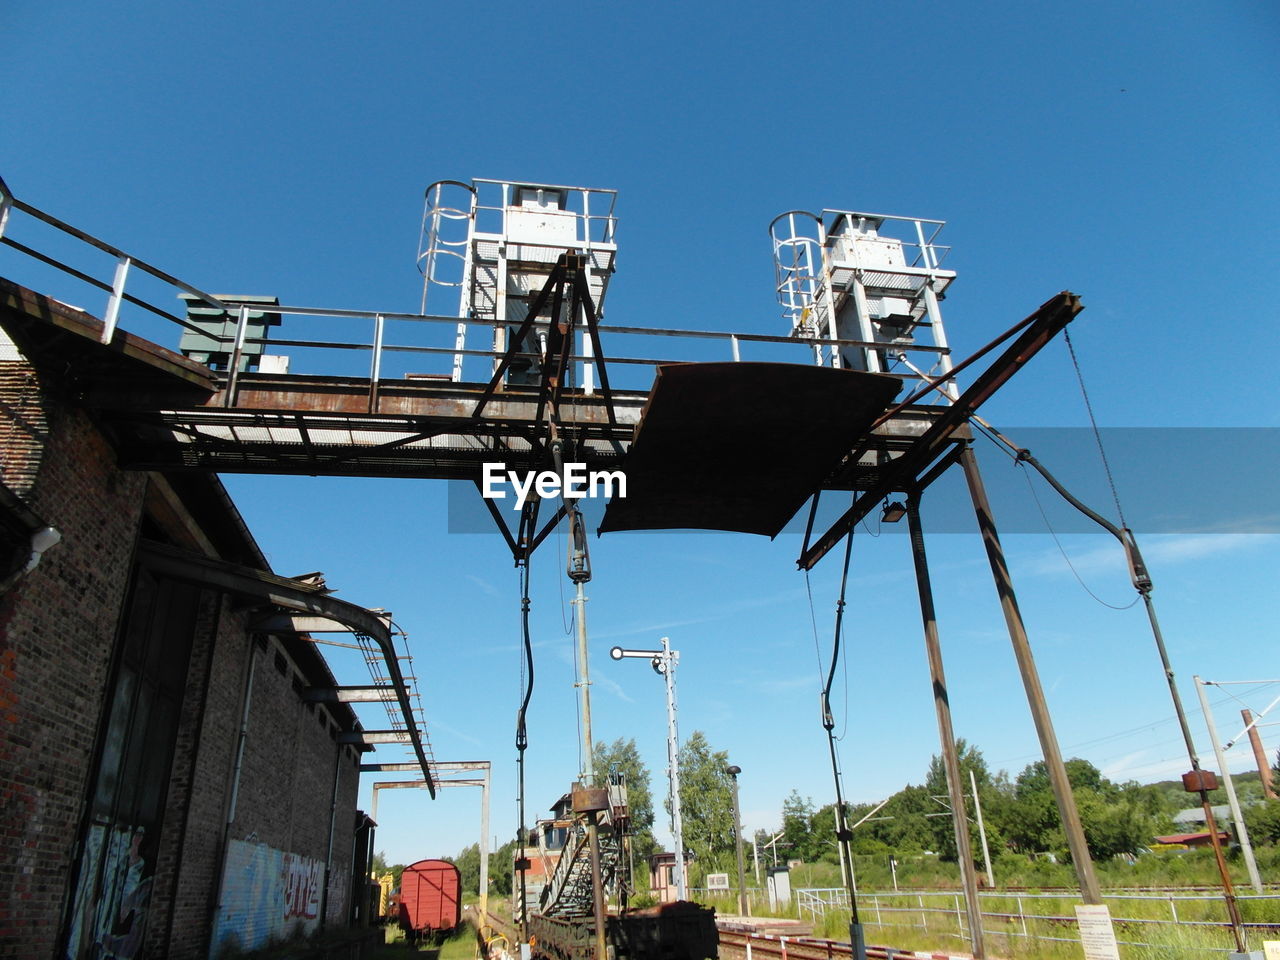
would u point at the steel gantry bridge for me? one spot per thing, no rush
(714, 430)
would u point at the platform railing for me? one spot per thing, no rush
(389, 340)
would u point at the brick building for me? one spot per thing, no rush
(170, 788)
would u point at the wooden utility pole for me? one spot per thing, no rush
(1259, 755)
(946, 734)
(1074, 832)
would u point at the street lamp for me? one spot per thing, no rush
(733, 771)
(664, 662)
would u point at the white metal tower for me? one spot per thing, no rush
(872, 279)
(488, 246)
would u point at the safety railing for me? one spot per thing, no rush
(1173, 919)
(331, 342)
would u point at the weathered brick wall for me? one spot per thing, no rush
(188, 864)
(24, 425)
(287, 776)
(57, 631)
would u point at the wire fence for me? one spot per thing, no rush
(1146, 919)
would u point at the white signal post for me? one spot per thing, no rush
(664, 662)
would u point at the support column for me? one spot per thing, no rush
(946, 734)
(1057, 770)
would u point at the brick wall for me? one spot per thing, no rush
(57, 631)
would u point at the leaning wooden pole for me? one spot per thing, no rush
(946, 733)
(1057, 770)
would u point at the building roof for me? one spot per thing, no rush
(1191, 837)
(1196, 814)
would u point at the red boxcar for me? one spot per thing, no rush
(430, 898)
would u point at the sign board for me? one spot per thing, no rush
(717, 881)
(1097, 935)
(1271, 949)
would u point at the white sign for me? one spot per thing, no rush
(717, 881)
(1271, 949)
(1097, 936)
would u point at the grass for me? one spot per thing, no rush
(1150, 892)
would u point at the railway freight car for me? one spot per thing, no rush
(430, 899)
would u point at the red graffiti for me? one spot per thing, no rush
(301, 881)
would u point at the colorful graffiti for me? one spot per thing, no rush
(112, 897)
(267, 895)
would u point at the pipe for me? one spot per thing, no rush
(328, 856)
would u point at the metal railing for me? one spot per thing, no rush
(1031, 916)
(390, 341)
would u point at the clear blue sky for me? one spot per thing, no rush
(1124, 152)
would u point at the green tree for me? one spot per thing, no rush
(468, 864)
(1263, 822)
(942, 828)
(622, 757)
(798, 838)
(706, 804)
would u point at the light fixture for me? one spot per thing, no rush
(894, 511)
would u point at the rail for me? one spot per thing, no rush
(328, 342)
(1029, 915)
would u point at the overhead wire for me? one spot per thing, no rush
(1093, 422)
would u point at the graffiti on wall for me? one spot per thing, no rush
(267, 895)
(111, 901)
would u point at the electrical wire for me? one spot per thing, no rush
(1062, 550)
(813, 620)
(1093, 422)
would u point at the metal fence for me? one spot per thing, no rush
(1139, 916)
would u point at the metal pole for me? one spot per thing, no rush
(584, 686)
(1057, 770)
(484, 851)
(982, 830)
(946, 734)
(112, 315)
(1259, 755)
(737, 842)
(1245, 846)
(580, 573)
(669, 659)
(1142, 583)
(1228, 889)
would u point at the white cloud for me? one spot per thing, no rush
(1107, 556)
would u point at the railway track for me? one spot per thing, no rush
(736, 945)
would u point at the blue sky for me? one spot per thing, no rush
(1120, 152)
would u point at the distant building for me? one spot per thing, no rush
(1201, 839)
(1191, 815)
(663, 883)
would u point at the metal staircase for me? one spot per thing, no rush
(568, 894)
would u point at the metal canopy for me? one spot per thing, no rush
(793, 425)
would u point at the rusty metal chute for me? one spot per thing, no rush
(298, 597)
(742, 446)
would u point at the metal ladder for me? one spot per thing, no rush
(568, 894)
